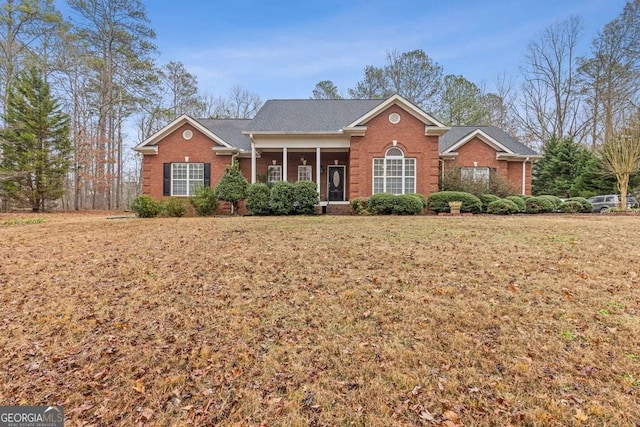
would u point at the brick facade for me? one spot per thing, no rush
(174, 148)
(410, 137)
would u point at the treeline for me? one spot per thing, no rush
(559, 93)
(101, 65)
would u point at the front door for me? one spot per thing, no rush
(336, 183)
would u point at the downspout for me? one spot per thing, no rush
(441, 174)
(233, 163)
(524, 175)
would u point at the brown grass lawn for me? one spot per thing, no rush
(376, 321)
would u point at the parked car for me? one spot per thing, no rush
(608, 201)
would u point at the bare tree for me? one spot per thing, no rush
(550, 99)
(620, 156)
(326, 89)
(239, 104)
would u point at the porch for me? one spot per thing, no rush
(327, 167)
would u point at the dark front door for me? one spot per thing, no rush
(336, 183)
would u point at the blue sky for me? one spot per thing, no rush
(281, 49)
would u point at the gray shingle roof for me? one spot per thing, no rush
(459, 132)
(310, 115)
(230, 130)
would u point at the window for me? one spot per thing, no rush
(475, 174)
(274, 173)
(186, 177)
(394, 173)
(304, 173)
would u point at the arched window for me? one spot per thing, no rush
(394, 173)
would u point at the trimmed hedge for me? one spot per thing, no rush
(146, 207)
(557, 201)
(519, 201)
(537, 205)
(422, 197)
(389, 204)
(439, 202)
(258, 199)
(305, 197)
(570, 206)
(587, 207)
(502, 207)
(281, 198)
(486, 199)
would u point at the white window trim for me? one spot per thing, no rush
(384, 171)
(310, 174)
(274, 167)
(474, 170)
(188, 180)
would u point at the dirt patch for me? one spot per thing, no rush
(522, 320)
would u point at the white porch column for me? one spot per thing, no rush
(284, 163)
(253, 162)
(318, 168)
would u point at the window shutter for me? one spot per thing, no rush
(207, 174)
(166, 179)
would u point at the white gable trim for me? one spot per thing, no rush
(493, 143)
(406, 105)
(162, 133)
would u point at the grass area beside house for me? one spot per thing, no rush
(484, 320)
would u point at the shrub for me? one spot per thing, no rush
(537, 205)
(557, 201)
(305, 197)
(502, 207)
(389, 204)
(281, 198)
(175, 207)
(204, 201)
(497, 184)
(258, 199)
(422, 197)
(486, 199)
(381, 204)
(439, 202)
(570, 206)
(519, 201)
(587, 207)
(145, 206)
(407, 204)
(359, 206)
(232, 187)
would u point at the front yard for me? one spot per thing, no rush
(523, 320)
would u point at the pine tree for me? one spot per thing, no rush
(35, 145)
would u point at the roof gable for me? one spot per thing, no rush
(491, 135)
(402, 103)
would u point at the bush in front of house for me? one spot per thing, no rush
(536, 205)
(281, 198)
(204, 201)
(258, 195)
(502, 207)
(146, 207)
(486, 199)
(390, 204)
(557, 201)
(305, 198)
(359, 206)
(587, 207)
(422, 197)
(174, 207)
(439, 202)
(232, 187)
(570, 206)
(519, 201)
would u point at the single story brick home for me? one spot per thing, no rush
(349, 147)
